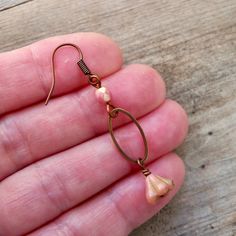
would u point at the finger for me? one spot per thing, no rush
(26, 73)
(37, 132)
(58, 183)
(121, 208)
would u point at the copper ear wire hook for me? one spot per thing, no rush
(53, 66)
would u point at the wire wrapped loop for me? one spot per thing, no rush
(114, 113)
(94, 81)
(145, 171)
(110, 110)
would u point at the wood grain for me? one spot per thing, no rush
(7, 4)
(192, 43)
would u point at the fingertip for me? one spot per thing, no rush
(148, 88)
(156, 82)
(183, 115)
(91, 42)
(177, 118)
(172, 165)
(110, 49)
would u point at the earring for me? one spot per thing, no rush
(156, 186)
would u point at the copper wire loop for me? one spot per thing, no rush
(145, 171)
(145, 155)
(94, 80)
(110, 110)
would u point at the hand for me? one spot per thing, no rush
(60, 172)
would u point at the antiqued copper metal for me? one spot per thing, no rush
(145, 171)
(84, 67)
(110, 108)
(53, 66)
(111, 117)
(94, 80)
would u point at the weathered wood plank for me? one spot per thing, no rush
(193, 44)
(7, 4)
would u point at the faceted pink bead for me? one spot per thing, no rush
(103, 95)
(156, 187)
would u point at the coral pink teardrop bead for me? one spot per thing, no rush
(103, 95)
(156, 187)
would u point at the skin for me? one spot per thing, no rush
(60, 173)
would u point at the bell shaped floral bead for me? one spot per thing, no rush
(103, 95)
(156, 187)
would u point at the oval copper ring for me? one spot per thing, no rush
(116, 111)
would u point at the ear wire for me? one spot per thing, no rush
(53, 66)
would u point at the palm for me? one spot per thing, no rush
(59, 170)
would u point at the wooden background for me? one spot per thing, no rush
(192, 43)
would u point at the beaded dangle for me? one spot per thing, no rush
(156, 186)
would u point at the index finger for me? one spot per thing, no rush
(25, 74)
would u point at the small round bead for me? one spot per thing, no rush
(103, 95)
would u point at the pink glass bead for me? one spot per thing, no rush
(103, 95)
(156, 187)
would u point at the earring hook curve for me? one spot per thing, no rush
(53, 66)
